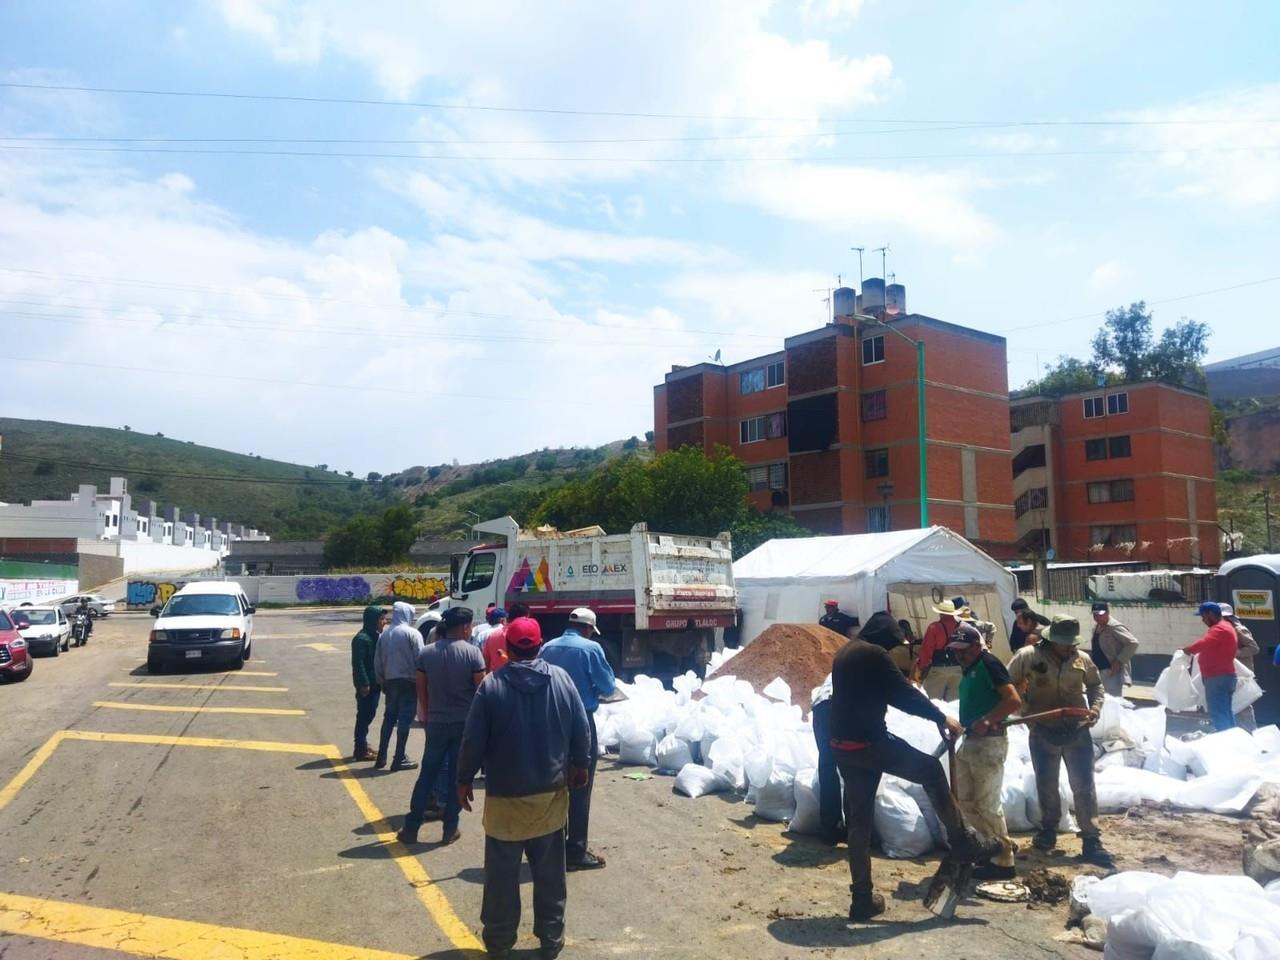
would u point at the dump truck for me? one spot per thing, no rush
(662, 600)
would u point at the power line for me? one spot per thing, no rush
(577, 112)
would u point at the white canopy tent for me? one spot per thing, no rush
(904, 571)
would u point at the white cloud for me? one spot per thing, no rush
(1234, 159)
(935, 206)
(1106, 275)
(830, 12)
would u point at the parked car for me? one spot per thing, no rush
(46, 629)
(15, 658)
(205, 622)
(99, 606)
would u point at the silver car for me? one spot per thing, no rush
(99, 606)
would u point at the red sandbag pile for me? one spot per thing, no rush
(799, 653)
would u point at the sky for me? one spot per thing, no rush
(408, 233)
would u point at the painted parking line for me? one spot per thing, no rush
(157, 708)
(435, 902)
(140, 935)
(202, 686)
(238, 673)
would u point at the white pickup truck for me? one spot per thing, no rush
(663, 600)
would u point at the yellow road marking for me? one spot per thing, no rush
(203, 686)
(318, 647)
(157, 708)
(432, 898)
(267, 746)
(26, 773)
(140, 935)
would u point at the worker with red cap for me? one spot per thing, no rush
(835, 619)
(528, 729)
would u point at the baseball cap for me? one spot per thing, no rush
(1209, 607)
(523, 633)
(1019, 604)
(585, 616)
(456, 616)
(1064, 630)
(831, 603)
(1227, 609)
(1100, 606)
(959, 602)
(495, 614)
(964, 637)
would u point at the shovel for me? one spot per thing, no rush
(942, 896)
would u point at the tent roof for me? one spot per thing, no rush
(1268, 561)
(826, 557)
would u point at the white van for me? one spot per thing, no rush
(208, 621)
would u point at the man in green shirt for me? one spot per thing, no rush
(363, 645)
(987, 697)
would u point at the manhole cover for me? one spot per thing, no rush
(1005, 891)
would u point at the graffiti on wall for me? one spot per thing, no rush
(332, 589)
(420, 588)
(149, 593)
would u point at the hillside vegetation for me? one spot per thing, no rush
(44, 460)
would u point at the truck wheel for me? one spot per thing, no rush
(238, 662)
(56, 649)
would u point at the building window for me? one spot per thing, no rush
(1118, 447)
(872, 350)
(1117, 403)
(769, 427)
(1110, 491)
(1108, 448)
(877, 519)
(777, 476)
(877, 463)
(775, 374)
(1114, 535)
(751, 381)
(1093, 408)
(873, 405)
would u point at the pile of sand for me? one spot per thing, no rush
(799, 653)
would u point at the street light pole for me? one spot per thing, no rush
(921, 441)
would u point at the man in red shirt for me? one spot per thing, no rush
(936, 666)
(1217, 653)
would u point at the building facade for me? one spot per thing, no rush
(1121, 472)
(828, 425)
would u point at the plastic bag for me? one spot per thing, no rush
(1066, 822)
(1111, 722)
(673, 753)
(1014, 802)
(1227, 750)
(1173, 688)
(694, 780)
(900, 824)
(776, 797)
(1245, 693)
(1268, 738)
(777, 689)
(727, 762)
(636, 744)
(808, 814)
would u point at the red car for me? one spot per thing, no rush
(15, 658)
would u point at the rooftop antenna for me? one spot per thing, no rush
(716, 358)
(860, 251)
(826, 299)
(884, 260)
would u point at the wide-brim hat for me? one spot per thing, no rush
(946, 608)
(1064, 630)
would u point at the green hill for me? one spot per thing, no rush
(44, 460)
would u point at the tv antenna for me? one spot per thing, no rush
(860, 251)
(826, 299)
(884, 259)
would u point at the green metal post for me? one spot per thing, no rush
(924, 462)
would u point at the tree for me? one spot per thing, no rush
(1124, 340)
(373, 539)
(1067, 375)
(755, 528)
(648, 436)
(126, 428)
(43, 468)
(631, 443)
(374, 476)
(546, 462)
(147, 485)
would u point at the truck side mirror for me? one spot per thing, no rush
(155, 611)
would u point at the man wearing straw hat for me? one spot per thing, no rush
(936, 666)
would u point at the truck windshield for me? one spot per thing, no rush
(480, 572)
(202, 605)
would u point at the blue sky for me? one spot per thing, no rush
(477, 299)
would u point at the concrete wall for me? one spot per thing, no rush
(96, 570)
(1161, 629)
(146, 557)
(14, 592)
(416, 588)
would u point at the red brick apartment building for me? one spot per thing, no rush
(1122, 472)
(828, 425)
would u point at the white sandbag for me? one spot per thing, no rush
(685, 686)
(1066, 822)
(720, 657)
(1134, 935)
(1184, 950)
(607, 731)
(1174, 688)
(1111, 722)
(727, 761)
(1232, 749)
(1268, 738)
(672, 753)
(1245, 693)
(1078, 907)
(1123, 891)
(757, 765)
(1019, 738)
(694, 780)
(807, 818)
(1014, 801)
(777, 689)
(1228, 791)
(637, 745)
(1119, 788)
(776, 797)
(900, 825)
(918, 793)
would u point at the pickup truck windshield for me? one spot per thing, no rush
(202, 605)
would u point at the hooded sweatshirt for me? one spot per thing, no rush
(363, 645)
(396, 657)
(527, 726)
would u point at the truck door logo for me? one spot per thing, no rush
(528, 580)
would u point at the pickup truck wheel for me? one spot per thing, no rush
(238, 663)
(154, 665)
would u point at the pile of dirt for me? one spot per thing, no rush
(1046, 886)
(799, 653)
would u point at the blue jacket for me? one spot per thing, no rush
(584, 660)
(526, 727)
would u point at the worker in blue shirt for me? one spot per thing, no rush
(583, 659)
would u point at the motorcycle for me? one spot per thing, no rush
(81, 629)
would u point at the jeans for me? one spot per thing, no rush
(1217, 698)
(830, 802)
(500, 908)
(401, 708)
(1113, 683)
(580, 804)
(861, 770)
(979, 777)
(366, 710)
(443, 741)
(1050, 748)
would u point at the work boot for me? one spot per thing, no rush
(971, 848)
(368, 753)
(380, 760)
(1094, 852)
(433, 813)
(550, 949)
(407, 837)
(865, 907)
(994, 871)
(1045, 840)
(589, 861)
(403, 764)
(449, 838)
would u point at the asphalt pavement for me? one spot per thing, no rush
(217, 814)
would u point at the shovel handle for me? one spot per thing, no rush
(1061, 713)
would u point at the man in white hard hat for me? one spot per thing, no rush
(581, 656)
